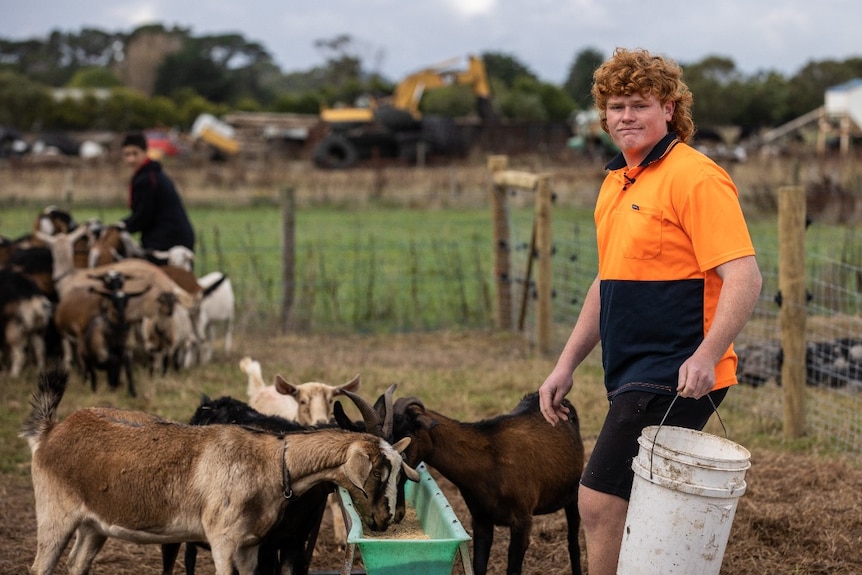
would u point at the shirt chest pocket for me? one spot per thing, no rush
(641, 228)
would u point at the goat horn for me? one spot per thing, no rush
(138, 293)
(389, 417)
(372, 420)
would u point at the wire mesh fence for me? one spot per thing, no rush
(376, 281)
(833, 395)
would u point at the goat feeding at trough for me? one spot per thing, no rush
(508, 468)
(426, 542)
(97, 474)
(290, 543)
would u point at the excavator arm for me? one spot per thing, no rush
(394, 126)
(408, 93)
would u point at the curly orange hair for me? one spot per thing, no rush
(639, 72)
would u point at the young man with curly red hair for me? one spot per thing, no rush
(677, 281)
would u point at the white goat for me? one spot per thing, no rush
(169, 337)
(217, 305)
(307, 403)
(179, 256)
(97, 475)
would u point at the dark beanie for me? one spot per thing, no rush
(135, 139)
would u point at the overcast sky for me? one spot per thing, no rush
(396, 37)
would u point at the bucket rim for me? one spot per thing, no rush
(741, 460)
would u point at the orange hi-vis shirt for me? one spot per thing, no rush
(662, 229)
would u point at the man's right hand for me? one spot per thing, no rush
(551, 395)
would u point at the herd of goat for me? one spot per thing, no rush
(93, 293)
(249, 480)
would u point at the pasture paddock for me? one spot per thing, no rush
(801, 513)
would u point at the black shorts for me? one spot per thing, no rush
(609, 469)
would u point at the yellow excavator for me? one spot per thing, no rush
(394, 127)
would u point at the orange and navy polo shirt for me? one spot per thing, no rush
(662, 227)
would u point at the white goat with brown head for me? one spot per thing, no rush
(308, 403)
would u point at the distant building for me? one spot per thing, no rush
(839, 117)
(842, 106)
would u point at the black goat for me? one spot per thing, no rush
(507, 468)
(292, 540)
(104, 345)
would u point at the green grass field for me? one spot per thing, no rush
(388, 269)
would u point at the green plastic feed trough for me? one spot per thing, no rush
(432, 556)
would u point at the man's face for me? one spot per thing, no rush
(636, 124)
(134, 156)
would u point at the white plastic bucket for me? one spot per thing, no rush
(686, 487)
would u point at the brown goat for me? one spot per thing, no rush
(507, 468)
(168, 335)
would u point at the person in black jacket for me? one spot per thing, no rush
(157, 209)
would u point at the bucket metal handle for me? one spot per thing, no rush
(655, 437)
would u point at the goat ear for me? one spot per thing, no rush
(357, 468)
(283, 387)
(425, 422)
(401, 444)
(77, 234)
(351, 385)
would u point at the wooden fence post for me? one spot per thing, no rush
(791, 286)
(288, 254)
(502, 245)
(541, 248)
(544, 253)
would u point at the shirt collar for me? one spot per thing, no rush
(659, 151)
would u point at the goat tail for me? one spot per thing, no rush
(251, 368)
(43, 405)
(216, 283)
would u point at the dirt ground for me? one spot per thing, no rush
(799, 516)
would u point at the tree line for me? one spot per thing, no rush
(191, 74)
